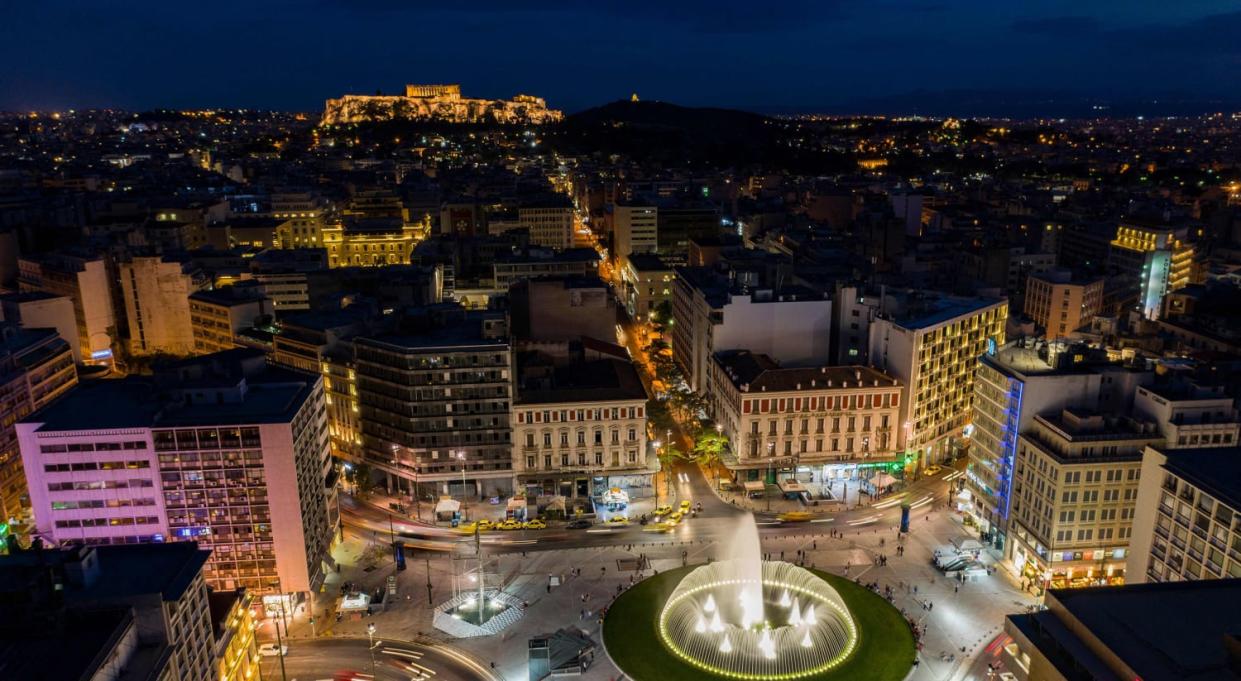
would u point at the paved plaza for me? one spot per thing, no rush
(959, 620)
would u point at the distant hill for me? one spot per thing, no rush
(659, 131)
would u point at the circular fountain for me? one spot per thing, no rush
(784, 622)
(749, 619)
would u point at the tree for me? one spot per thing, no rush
(359, 475)
(709, 449)
(659, 416)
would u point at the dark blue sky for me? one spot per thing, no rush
(798, 54)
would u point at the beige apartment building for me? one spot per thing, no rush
(157, 292)
(1074, 495)
(1188, 524)
(1060, 304)
(824, 421)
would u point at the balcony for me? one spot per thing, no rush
(1161, 531)
(1178, 543)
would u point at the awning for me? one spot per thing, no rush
(755, 486)
(882, 480)
(445, 505)
(556, 504)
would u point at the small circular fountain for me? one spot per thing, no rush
(776, 621)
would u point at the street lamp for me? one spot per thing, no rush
(465, 501)
(771, 450)
(657, 444)
(370, 638)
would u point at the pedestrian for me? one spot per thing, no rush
(782, 555)
(581, 614)
(493, 665)
(815, 546)
(930, 606)
(956, 588)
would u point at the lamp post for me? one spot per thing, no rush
(465, 500)
(715, 465)
(370, 638)
(656, 444)
(771, 450)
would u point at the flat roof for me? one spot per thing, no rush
(1214, 470)
(1174, 631)
(592, 381)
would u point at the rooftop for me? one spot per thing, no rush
(759, 373)
(1214, 470)
(648, 262)
(1131, 622)
(591, 381)
(917, 310)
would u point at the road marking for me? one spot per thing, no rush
(864, 521)
(598, 531)
(823, 520)
(888, 503)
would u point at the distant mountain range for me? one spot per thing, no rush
(1020, 104)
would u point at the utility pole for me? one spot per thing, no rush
(428, 558)
(478, 548)
(280, 648)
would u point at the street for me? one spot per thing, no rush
(337, 659)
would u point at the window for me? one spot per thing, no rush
(529, 462)
(547, 439)
(529, 439)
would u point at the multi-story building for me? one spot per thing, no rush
(648, 284)
(1073, 501)
(1060, 304)
(1152, 260)
(36, 367)
(371, 241)
(84, 280)
(1190, 414)
(580, 430)
(1011, 386)
(322, 342)
(218, 315)
(236, 654)
(107, 612)
(1188, 524)
(635, 228)
(563, 309)
(39, 310)
(221, 449)
(932, 345)
(303, 215)
(832, 421)
(550, 221)
(285, 275)
(512, 268)
(157, 292)
(792, 325)
(435, 399)
(1154, 632)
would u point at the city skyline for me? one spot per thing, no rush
(883, 58)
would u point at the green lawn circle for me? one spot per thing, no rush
(885, 650)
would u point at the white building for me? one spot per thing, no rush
(791, 325)
(550, 225)
(635, 229)
(1190, 414)
(156, 292)
(85, 281)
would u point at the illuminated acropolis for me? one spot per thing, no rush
(438, 103)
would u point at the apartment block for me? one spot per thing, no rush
(1189, 413)
(218, 315)
(436, 398)
(220, 449)
(827, 421)
(931, 344)
(635, 229)
(715, 313)
(1188, 524)
(156, 291)
(1060, 304)
(550, 222)
(107, 612)
(1075, 497)
(1153, 260)
(648, 284)
(85, 280)
(36, 367)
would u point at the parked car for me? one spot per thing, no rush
(618, 520)
(273, 650)
(535, 524)
(663, 510)
(509, 524)
(579, 524)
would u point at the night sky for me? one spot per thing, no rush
(780, 55)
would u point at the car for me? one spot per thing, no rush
(535, 524)
(934, 469)
(659, 527)
(579, 524)
(663, 510)
(676, 517)
(685, 506)
(618, 520)
(273, 650)
(509, 524)
(484, 525)
(795, 516)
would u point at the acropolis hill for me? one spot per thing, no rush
(438, 103)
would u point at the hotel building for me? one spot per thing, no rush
(1060, 304)
(830, 421)
(1073, 502)
(1153, 259)
(931, 344)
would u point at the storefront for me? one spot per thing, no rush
(1042, 570)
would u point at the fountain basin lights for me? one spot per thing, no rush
(790, 625)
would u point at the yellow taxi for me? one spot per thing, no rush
(618, 520)
(509, 524)
(536, 524)
(795, 516)
(684, 506)
(663, 510)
